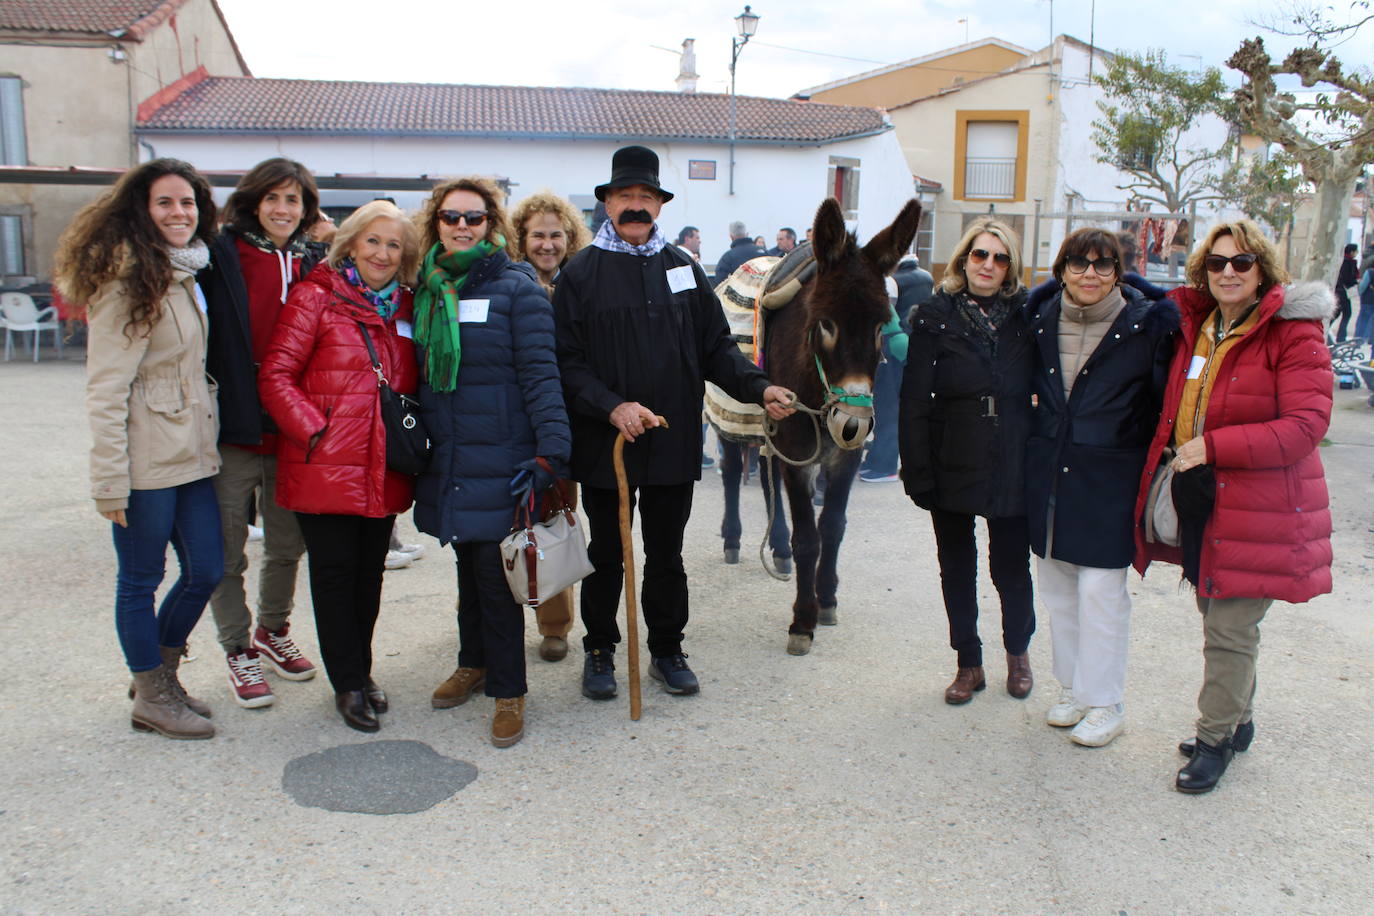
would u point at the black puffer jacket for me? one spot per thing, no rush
(1086, 453)
(965, 413)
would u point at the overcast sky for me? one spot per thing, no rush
(598, 44)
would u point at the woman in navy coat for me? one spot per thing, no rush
(492, 401)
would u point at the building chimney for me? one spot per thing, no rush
(687, 71)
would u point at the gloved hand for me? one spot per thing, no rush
(531, 480)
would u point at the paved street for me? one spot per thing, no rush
(834, 783)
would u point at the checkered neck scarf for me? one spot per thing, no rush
(606, 238)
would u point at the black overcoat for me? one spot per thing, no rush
(1085, 454)
(229, 348)
(965, 415)
(623, 335)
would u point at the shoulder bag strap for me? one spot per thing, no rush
(372, 355)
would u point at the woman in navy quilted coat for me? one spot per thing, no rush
(493, 404)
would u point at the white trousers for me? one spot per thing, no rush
(1090, 628)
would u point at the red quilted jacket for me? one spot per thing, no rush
(1270, 532)
(317, 376)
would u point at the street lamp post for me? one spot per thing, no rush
(747, 23)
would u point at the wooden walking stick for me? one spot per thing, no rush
(627, 555)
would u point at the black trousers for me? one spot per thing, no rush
(491, 626)
(663, 514)
(346, 555)
(1009, 565)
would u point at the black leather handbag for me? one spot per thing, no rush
(407, 440)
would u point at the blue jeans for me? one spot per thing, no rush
(881, 459)
(187, 517)
(1364, 321)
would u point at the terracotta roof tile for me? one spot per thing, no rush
(248, 105)
(93, 16)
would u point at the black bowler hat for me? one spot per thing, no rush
(633, 165)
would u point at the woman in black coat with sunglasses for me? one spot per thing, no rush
(964, 419)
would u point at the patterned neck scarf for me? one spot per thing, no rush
(295, 246)
(193, 258)
(985, 324)
(606, 238)
(442, 275)
(385, 300)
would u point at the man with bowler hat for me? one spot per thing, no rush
(639, 332)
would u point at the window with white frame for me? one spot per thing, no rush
(13, 145)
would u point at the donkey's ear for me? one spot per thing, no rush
(830, 241)
(887, 247)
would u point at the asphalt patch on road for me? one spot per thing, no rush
(380, 777)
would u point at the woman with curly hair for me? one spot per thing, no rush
(130, 258)
(1248, 402)
(548, 231)
(493, 404)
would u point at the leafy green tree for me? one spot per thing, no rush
(1148, 114)
(1266, 190)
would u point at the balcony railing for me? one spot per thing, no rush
(987, 177)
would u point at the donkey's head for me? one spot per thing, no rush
(846, 310)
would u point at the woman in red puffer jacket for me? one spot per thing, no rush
(317, 383)
(1247, 403)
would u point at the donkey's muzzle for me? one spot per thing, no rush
(849, 425)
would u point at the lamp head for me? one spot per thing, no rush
(747, 22)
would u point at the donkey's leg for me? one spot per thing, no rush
(832, 533)
(779, 538)
(731, 465)
(806, 548)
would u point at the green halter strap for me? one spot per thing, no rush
(835, 393)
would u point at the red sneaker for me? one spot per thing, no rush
(245, 677)
(281, 653)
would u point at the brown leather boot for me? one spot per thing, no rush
(171, 660)
(966, 683)
(1019, 680)
(458, 688)
(508, 722)
(158, 708)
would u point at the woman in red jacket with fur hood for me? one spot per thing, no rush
(1248, 401)
(317, 383)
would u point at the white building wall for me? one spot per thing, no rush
(774, 186)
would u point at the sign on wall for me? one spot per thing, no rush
(701, 169)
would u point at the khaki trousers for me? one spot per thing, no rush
(240, 473)
(1231, 637)
(555, 616)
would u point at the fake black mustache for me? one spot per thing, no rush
(635, 216)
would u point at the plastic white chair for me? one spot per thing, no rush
(20, 314)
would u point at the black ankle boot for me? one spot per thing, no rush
(1240, 741)
(1204, 770)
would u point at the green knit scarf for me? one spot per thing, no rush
(442, 275)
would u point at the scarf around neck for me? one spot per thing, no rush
(260, 240)
(442, 275)
(192, 259)
(609, 240)
(385, 300)
(985, 324)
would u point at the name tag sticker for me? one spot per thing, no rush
(680, 278)
(1195, 367)
(473, 310)
(404, 329)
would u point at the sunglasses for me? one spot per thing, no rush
(1101, 266)
(473, 217)
(1241, 263)
(979, 255)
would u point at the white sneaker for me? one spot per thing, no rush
(414, 551)
(1066, 712)
(254, 533)
(1100, 726)
(395, 559)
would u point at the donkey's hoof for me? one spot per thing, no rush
(798, 643)
(731, 555)
(783, 565)
(828, 616)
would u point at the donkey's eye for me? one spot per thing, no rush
(829, 333)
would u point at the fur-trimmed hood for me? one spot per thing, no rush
(1307, 299)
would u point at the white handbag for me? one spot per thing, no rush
(1161, 518)
(543, 558)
